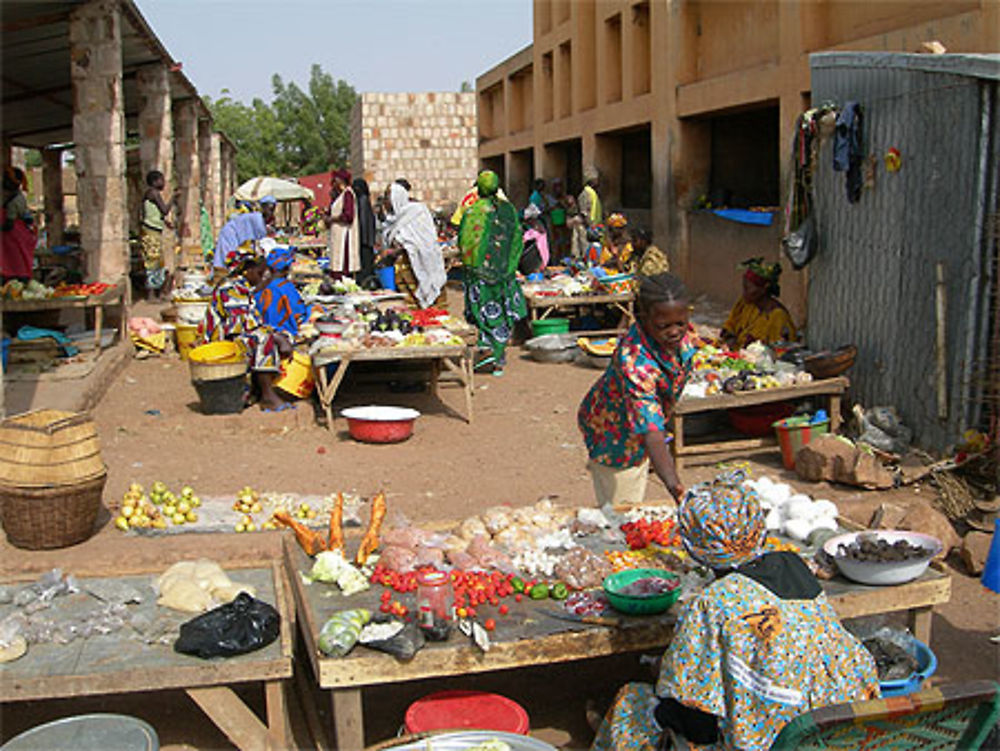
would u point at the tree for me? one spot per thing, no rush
(316, 132)
(299, 132)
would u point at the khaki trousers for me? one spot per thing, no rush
(619, 485)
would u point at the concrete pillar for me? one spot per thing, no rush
(217, 182)
(52, 188)
(95, 44)
(187, 174)
(156, 139)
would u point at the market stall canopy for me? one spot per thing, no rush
(283, 190)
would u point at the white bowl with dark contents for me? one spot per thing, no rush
(884, 556)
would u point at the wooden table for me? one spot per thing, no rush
(542, 306)
(456, 358)
(831, 389)
(114, 296)
(529, 638)
(117, 663)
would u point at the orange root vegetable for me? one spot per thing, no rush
(311, 542)
(336, 539)
(370, 541)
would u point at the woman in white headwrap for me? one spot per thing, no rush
(410, 236)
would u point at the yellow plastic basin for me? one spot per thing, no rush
(187, 339)
(296, 376)
(218, 353)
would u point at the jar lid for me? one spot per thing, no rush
(432, 578)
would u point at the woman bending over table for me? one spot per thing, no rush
(757, 647)
(758, 315)
(410, 236)
(232, 315)
(624, 416)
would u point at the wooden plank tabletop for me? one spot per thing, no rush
(326, 356)
(549, 301)
(528, 637)
(62, 303)
(687, 405)
(121, 662)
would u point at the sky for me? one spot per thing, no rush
(374, 45)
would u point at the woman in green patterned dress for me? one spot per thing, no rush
(491, 242)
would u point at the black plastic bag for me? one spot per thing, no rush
(241, 626)
(801, 244)
(403, 645)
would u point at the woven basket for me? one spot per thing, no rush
(42, 518)
(49, 448)
(207, 371)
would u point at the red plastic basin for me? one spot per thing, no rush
(451, 710)
(757, 420)
(380, 424)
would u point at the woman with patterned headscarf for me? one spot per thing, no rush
(758, 315)
(491, 242)
(232, 315)
(279, 302)
(757, 647)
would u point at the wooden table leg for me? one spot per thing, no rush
(327, 390)
(277, 715)
(834, 408)
(98, 324)
(467, 365)
(348, 719)
(920, 623)
(232, 717)
(677, 445)
(435, 377)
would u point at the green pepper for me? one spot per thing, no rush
(539, 592)
(518, 584)
(559, 591)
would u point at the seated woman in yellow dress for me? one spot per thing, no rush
(758, 315)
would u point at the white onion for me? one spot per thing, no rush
(773, 520)
(825, 508)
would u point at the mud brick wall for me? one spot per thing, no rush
(428, 138)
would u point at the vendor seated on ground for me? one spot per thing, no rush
(243, 227)
(757, 647)
(650, 260)
(279, 303)
(617, 252)
(232, 315)
(624, 416)
(758, 315)
(410, 243)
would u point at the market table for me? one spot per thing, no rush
(528, 638)
(832, 389)
(114, 664)
(541, 307)
(113, 296)
(456, 358)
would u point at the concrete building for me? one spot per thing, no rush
(427, 138)
(672, 100)
(86, 75)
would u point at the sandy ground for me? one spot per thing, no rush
(521, 445)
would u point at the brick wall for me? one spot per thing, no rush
(428, 138)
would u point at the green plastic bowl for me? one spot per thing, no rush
(550, 326)
(631, 605)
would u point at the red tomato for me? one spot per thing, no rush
(490, 624)
(504, 610)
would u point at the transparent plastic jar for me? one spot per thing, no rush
(434, 596)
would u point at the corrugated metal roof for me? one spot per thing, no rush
(873, 282)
